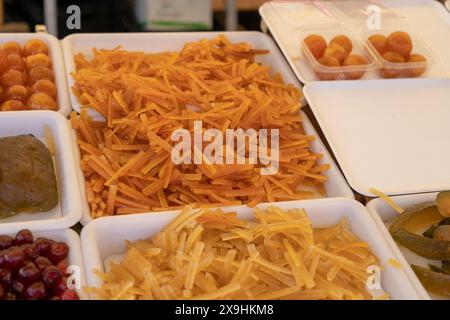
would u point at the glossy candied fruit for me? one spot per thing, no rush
(16, 62)
(12, 47)
(45, 86)
(12, 77)
(335, 51)
(38, 59)
(13, 105)
(41, 101)
(354, 60)
(16, 92)
(400, 42)
(327, 62)
(35, 46)
(417, 71)
(392, 72)
(344, 42)
(379, 42)
(39, 73)
(316, 44)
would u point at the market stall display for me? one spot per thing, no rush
(32, 73)
(419, 238)
(321, 215)
(235, 50)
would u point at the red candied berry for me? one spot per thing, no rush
(42, 262)
(5, 278)
(70, 295)
(6, 242)
(43, 245)
(2, 258)
(63, 266)
(14, 258)
(30, 251)
(24, 237)
(18, 288)
(28, 273)
(58, 252)
(50, 276)
(61, 286)
(36, 291)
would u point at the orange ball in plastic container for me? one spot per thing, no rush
(39, 73)
(327, 62)
(13, 105)
(16, 62)
(16, 92)
(392, 72)
(379, 42)
(420, 67)
(335, 51)
(41, 101)
(344, 42)
(45, 86)
(12, 77)
(354, 60)
(35, 46)
(12, 47)
(316, 44)
(38, 59)
(400, 42)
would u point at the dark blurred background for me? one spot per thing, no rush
(112, 15)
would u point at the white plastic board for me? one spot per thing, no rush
(428, 19)
(392, 137)
(104, 239)
(383, 214)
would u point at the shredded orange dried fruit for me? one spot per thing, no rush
(144, 97)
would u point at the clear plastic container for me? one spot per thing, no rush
(360, 11)
(349, 72)
(402, 69)
(303, 13)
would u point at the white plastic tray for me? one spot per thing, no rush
(56, 56)
(383, 214)
(68, 211)
(106, 237)
(68, 236)
(336, 186)
(428, 19)
(390, 137)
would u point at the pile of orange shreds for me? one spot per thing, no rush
(144, 97)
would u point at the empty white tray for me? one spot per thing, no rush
(393, 136)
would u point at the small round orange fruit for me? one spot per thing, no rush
(12, 47)
(327, 62)
(3, 61)
(38, 59)
(354, 60)
(16, 62)
(12, 77)
(45, 86)
(35, 46)
(39, 73)
(344, 42)
(335, 51)
(420, 67)
(392, 72)
(316, 44)
(41, 101)
(13, 105)
(400, 42)
(379, 42)
(16, 92)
